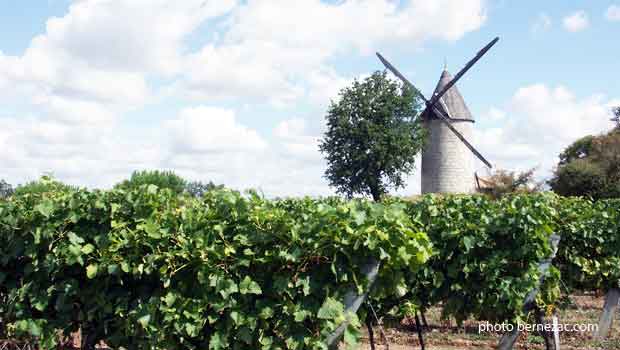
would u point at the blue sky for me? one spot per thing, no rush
(235, 91)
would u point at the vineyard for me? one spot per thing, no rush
(150, 268)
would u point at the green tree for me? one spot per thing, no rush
(162, 179)
(372, 136)
(616, 118)
(590, 167)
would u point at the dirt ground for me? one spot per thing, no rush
(444, 335)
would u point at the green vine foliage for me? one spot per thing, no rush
(487, 254)
(148, 268)
(589, 254)
(151, 268)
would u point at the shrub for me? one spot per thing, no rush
(503, 182)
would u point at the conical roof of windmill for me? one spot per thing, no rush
(451, 102)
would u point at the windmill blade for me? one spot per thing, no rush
(447, 122)
(440, 113)
(395, 71)
(462, 72)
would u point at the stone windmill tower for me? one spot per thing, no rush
(447, 162)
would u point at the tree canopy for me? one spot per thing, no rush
(162, 179)
(590, 167)
(372, 136)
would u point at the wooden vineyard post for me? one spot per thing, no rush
(353, 301)
(508, 339)
(607, 317)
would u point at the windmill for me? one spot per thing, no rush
(447, 164)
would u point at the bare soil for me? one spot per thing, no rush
(445, 335)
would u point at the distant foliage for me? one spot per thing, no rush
(199, 188)
(6, 189)
(616, 118)
(161, 179)
(372, 136)
(503, 182)
(45, 184)
(590, 167)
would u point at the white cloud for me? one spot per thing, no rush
(290, 128)
(106, 50)
(296, 140)
(613, 13)
(576, 22)
(211, 129)
(130, 35)
(324, 86)
(103, 50)
(268, 47)
(494, 114)
(543, 121)
(542, 23)
(200, 143)
(220, 149)
(79, 153)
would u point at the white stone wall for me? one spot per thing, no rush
(447, 164)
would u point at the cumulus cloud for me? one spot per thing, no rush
(107, 50)
(129, 35)
(104, 51)
(211, 129)
(297, 140)
(541, 121)
(613, 13)
(576, 22)
(268, 47)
